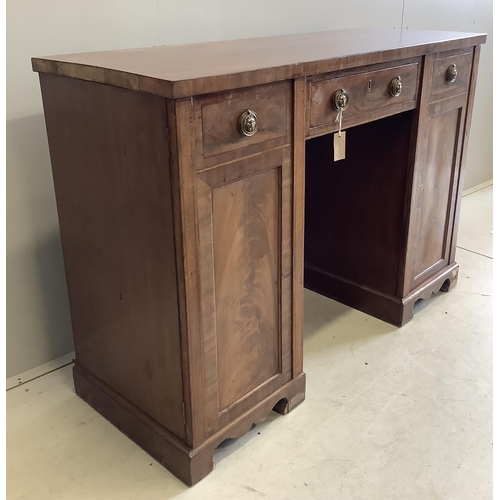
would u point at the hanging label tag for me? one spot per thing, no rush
(339, 146)
(339, 141)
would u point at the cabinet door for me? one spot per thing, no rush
(244, 260)
(436, 188)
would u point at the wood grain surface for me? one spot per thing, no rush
(438, 189)
(112, 183)
(368, 93)
(218, 139)
(246, 231)
(299, 171)
(244, 261)
(441, 87)
(185, 70)
(463, 153)
(435, 198)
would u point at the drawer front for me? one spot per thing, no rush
(219, 137)
(442, 86)
(369, 95)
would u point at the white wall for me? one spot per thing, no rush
(38, 322)
(466, 15)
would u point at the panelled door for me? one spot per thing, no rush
(437, 174)
(244, 224)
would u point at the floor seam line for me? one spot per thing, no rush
(477, 253)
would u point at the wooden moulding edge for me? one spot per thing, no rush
(189, 465)
(389, 308)
(176, 89)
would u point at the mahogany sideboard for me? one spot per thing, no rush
(197, 193)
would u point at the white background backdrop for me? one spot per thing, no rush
(38, 321)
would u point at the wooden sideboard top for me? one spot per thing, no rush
(177, 71)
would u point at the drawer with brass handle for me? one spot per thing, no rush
(232, 125)
(450, 74)
(362, 97)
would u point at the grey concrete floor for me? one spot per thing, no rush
(389, 413)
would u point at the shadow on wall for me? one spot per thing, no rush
(38, 320)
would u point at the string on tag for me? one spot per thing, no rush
(339, 120)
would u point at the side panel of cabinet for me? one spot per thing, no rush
(114, 200)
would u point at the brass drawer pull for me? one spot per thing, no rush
(396, 86)
(452, 73)
(341, 100)
(249, 123)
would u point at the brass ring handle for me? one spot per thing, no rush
(341, 100)
(452, 73)
(249, 123)
(396, 86)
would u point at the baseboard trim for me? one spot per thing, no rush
(39, 371)
(471, 190)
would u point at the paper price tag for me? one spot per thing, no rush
(339, 146)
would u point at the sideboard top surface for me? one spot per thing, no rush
(177, 71)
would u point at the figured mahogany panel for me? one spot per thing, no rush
(246, 266)
(437, 191)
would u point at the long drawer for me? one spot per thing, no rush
(369, 96)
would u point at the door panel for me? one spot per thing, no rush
(431, 250)
(438, 184)
(246, 253)
(244, 239)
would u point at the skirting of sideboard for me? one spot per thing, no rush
(394, 310)
(189, 465)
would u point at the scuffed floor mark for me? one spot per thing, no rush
(253, 490)
(346, 471)
(477, 380)
(384, 409)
